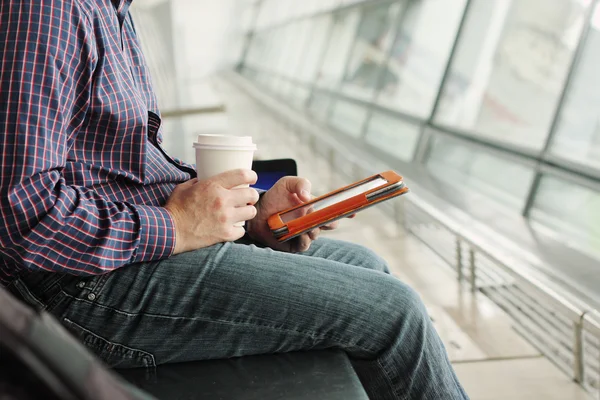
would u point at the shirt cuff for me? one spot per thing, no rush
(156, 234)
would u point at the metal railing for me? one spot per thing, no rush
(565, 329)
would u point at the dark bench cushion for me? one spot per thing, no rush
(305, 375)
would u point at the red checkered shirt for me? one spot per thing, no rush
(82, 172)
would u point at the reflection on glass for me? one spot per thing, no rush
(472, 169)
(571, 210)
(296, 35)
(578, 135)
(367, 58)
(338, 48)
(510, 68)
(313, 51)
(419, 55)
(394, 136)
(319, 105)
(264, 51)
(348, 117)
(298, 95)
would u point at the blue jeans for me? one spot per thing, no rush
(237, 299)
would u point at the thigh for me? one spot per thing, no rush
(346, 253)
(234, 299)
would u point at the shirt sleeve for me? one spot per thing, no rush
(47, 59)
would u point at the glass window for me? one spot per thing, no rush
(570, 210)
(348, 117)
(471, 169)
(393, 135)
(284, 37)
(267, 12)
(292, 50)
(298, 95)
(314, 48)
(510, 68)
(578, 135)
(256, 47)
(419, 55)
(338, 48)
(325, 5)
(319, 105)
(264, 52)
(368, 56)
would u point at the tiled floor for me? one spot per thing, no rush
(491, 359)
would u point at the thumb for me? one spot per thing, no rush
(301, 187)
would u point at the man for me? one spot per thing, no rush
(138, 258)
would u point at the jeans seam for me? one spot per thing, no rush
(20, 285)
(132, 349)
(389, 379)
(228, 322)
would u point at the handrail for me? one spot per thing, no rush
(591, 322)
(184, 112)
(470, 238)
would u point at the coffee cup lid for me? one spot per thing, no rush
(224, 147)
(223, 140)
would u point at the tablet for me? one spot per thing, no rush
(340, 203)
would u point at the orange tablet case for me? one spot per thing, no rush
(286, 231)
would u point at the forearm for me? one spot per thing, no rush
(73, 230)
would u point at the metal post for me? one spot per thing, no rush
(459, 263)
(329, 111)
(313, 144)
(400, 18)
(250, 34)
(313, 83)
(400, 215)
(424, 139)
(598, 379)
(331, 161)
(578, 365)
(559, 107)
(472, 276)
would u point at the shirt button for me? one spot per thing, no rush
(81, 285)
(91, 297)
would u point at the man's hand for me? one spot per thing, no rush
(287, 192)
(205, 211)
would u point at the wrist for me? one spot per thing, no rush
(249, 226)
(178, 239)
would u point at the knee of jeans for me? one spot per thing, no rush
(372, 260)
(397, 313)
(410, 305)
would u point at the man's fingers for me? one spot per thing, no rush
(314, 234)
(242, 214)
(300, 186)
(236, 177)
(237, 232)
(188, 183)
(330, 226)
(302, 243)
(244, 196)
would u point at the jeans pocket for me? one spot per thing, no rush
(115, 355)
(22, 292)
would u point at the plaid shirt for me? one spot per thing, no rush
(82, 172)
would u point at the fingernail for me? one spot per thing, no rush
(305, 193)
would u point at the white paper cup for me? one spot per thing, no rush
(216, 154)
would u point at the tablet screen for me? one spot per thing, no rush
(333, 199)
